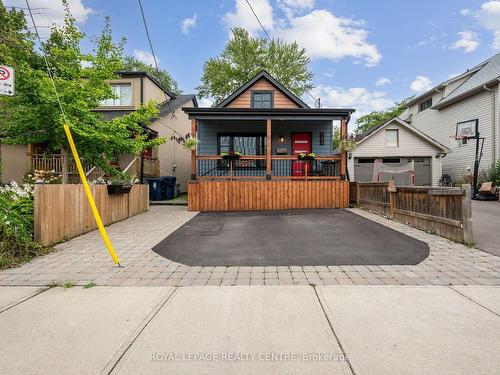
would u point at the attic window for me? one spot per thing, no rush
(262, 99)
(391, 138)
(425, 104)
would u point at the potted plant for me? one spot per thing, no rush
(304, 156)
(233, 155)
(119, 185)
(190, 143)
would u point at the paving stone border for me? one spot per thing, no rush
(84, 259)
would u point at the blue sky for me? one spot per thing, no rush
(365, 54)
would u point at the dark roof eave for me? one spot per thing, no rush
(132, 73)
(194, 112)
(466, 94)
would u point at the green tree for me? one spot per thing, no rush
(33, 114)
(244, 56)
(166, 80)
(375, 118)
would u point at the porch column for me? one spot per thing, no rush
(268, 149)
(193, 152)
(343, 161)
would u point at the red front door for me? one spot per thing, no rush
(301, 143)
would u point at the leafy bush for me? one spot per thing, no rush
(495, 173)
(16, 226)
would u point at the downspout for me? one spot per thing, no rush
(493, 125)
(141, 179)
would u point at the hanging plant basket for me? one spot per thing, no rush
(119, 189)
(303, 156)
(231, 156)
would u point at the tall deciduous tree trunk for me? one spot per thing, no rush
(65, 165)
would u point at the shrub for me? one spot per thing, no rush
(495, 173)
(16, 226)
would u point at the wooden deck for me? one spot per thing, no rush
(267, 195)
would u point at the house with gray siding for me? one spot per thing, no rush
(263, 148)
(472, 95)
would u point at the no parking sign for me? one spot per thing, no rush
(6, 80)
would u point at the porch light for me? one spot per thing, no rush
(282, 139)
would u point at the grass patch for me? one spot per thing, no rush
(68, 284)
(89, 285)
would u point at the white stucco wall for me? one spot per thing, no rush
(410, 145)
(171, 153)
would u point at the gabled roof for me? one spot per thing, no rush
(484, 74)
(408, 127)
(487, 74)
(263, 75)
(180, 100)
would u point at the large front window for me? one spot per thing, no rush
(123, 95)
(246, 144)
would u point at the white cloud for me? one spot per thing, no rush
(188, 23)
(145, 57)
(205, 102)
(467, 40)
(291, 7)
(423, 43)
(382, 81)
(243, 16)
(325, 35)
(489, 16)
(465, 12)
(363, 100)
(421, 84)
(48, 13)
(330, 73)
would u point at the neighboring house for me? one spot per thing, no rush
(132, 89)
(170, 158)
(269, 126)
(473, 95)
(399, 151)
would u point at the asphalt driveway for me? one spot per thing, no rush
(284, 238)
(485, 216)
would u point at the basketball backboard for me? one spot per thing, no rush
(467, 129)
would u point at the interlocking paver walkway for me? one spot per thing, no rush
(84, 259)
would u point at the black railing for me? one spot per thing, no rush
(281, 167)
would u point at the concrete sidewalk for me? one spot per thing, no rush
(250, 330)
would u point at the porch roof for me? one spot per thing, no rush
(269, 113)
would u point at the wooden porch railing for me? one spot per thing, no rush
(54, 163)
(215, 167)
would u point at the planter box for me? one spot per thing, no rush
(306, 158)
(231, 157)
(119, 189)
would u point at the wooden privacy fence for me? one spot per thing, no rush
(444, 211)
(63, 212)
(267, 195)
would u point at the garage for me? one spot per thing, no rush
(398, 151)
(420, 168)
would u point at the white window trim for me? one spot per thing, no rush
(397, 138)
(121, 107)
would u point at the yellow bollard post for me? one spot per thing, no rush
(97, 217)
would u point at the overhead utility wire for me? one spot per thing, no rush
(46, 61)
(316, 100)
(146, 28)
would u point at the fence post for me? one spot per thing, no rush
(391, 188)
(467, 215)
